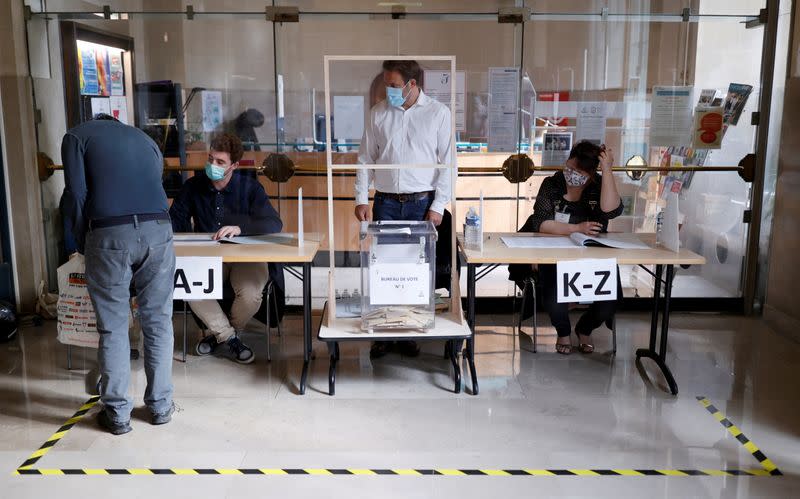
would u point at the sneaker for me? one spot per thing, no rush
(241, 353)
(163, 418)
(206, 346)
(105, 422)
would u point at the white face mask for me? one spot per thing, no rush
(574, 178)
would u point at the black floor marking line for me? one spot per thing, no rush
(768, 468)
(748, 444)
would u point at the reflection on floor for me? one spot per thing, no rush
(535, 411)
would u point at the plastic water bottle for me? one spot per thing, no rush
(472, 230)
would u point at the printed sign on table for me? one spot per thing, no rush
(198, 278)
(399, 284)
(591, 279)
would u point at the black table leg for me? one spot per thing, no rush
(185, 318)
(659, 357)
(306, 325)
(332, 369)
(470, 353)
(456, 367)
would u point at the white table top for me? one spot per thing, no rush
(495, 251)
(350, 329)
(284, 249)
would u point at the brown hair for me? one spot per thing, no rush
(587, 156)
(409, 70)
(229, 143)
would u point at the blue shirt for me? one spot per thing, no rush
(110, 170)
(243, 202)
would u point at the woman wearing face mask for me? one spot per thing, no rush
(577, 199)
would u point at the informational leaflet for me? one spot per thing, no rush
(119, 108)
(117, 81)
(738, 93)
(707, 131)
(503, 101)
(348, 113)
(591, 121)
(399, 284)
(438, 86)
(671, 116)
(555, 148)
(88, 63)
(212, 110)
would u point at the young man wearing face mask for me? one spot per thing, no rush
(577, 199)
(226, 204)
(407, 128)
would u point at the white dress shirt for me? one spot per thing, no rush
(421, 134)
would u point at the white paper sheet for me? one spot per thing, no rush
(438, 86)
(399, 284)
(591, 122)
(212, 110)
(348, 113)
(671, 116)
(100, 105)
(503, 116)
(119, 108)
(537, 242)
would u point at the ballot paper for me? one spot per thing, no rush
(398, 317)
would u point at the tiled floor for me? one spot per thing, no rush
(534, 411)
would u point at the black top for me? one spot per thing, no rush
(243, 202)
(550, 202)
(110, 170)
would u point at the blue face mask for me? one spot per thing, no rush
(215, 172)
(395, 96)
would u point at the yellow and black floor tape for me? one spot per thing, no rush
(768, 468)
(58, 435)
(748, 444)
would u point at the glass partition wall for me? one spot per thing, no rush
(230, 67)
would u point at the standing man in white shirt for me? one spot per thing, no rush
(407, 128)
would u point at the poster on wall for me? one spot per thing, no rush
(670, 116)
(116, 73)
(119, 108)
(555, 148)
(503, 102)
(591, 122)
(438, 86)
(212, 110)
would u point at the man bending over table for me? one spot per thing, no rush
(227, 204)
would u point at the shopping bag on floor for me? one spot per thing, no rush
(76, 320)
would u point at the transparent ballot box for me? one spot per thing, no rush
(398, 262)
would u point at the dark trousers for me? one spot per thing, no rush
(598, 313)
(385, 208)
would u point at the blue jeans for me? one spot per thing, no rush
(385, 208)
(115, 256)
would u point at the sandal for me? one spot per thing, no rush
(586, 348)
(563, 349)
